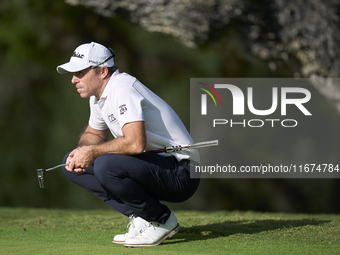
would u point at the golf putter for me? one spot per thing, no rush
(41, 172)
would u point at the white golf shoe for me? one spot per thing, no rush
(153, 233)
(133, 229)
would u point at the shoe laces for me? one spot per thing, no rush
(149, 225)
(131, 223)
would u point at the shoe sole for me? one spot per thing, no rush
(118, 242)
(168, 235)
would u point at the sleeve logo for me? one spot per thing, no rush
(122, 109)
(112, 118)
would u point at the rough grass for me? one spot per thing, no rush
(44, 231)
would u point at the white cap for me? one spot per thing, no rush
(87, 55)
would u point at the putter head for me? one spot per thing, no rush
(40, 173)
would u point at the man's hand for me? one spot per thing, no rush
(79, 159)
(93, 143)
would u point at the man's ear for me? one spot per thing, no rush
(104, 71)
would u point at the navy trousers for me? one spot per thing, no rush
(136, 184)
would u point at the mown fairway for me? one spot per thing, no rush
(46, 231)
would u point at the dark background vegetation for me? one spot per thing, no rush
(41, 115)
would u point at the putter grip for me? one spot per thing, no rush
(191, 146)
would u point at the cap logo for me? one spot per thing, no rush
(77, 55)
(94, 62)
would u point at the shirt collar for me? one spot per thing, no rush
(106, 91)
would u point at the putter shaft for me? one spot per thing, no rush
(49, 169)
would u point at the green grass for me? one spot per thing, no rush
(44, 231)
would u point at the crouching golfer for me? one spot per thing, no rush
(121, 171)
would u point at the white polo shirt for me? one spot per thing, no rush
(126, 100)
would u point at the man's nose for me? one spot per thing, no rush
(74, 79)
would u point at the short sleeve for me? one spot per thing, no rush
(96, 121)
(130, 106)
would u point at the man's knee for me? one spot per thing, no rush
(69, 175)
(103, 167)
(65, 158)
(107, 168)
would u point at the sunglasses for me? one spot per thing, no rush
(112, 56)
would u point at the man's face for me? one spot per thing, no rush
(88, 83)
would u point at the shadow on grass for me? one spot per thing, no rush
(226, 228)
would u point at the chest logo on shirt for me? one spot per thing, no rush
(112, 118)
(122, 109)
